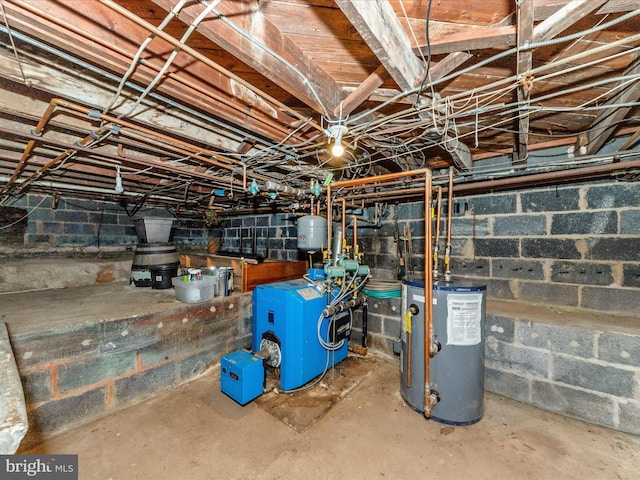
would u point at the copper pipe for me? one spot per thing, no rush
(32, 143)
(428, 295)
(450, 204)
(409, 348)
(119, 158)
(239, 108)
(64, 155)
(447, 250)
(428, 259)
(193, 148)
(416, 182)
(329, 216)
(381, 178)
(438, 207)
(436, 248)
(544, 179)
(355, 236)
(170, 168)
(344, 225)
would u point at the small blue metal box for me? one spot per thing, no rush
(241, 376)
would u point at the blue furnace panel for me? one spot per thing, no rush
(241, 376)
(290, 310)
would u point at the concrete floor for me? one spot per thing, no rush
(196, 432)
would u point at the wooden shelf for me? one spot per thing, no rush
(248, 273)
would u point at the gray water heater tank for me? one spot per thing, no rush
(457, 371)
(312, 233)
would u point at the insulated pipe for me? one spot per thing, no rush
(281, 187)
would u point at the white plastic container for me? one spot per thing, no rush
(194, 291)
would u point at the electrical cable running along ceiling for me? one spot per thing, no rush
(237, 104)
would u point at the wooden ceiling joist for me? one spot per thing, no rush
(380, 28)
(280, 60)
(608, 120)
(524, 60)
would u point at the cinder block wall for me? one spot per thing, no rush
(276, 236)
(589, 371)
(85, 224)
(73, 375)
(572, 246)
(575, 246)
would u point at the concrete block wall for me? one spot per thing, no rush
(582, 371)
(86, 226)
(574, 246)
(76, 374)
(276, 236)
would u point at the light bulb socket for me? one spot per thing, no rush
(118, 188)
(336, 132)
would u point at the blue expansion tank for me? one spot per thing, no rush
(287, 313)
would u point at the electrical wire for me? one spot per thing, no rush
(428, 62)
(136, 58)
(277, 56)
(13, 45)
(172, 56)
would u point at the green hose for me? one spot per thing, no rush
(383, 288)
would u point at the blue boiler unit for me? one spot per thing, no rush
(288, 321)
(294, 333)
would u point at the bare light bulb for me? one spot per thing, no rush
(337, 150)
(118, 188)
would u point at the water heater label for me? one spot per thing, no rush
(464, 315)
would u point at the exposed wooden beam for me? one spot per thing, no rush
(607, 121)
(67, 26)
(558, 19)
(545, 8)
(448, 64)
(524, 18)
(380, 28)
(281, 61)
(471, 39)
(558, 22)
(362, 92)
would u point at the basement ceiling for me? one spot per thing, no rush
(201, 104)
